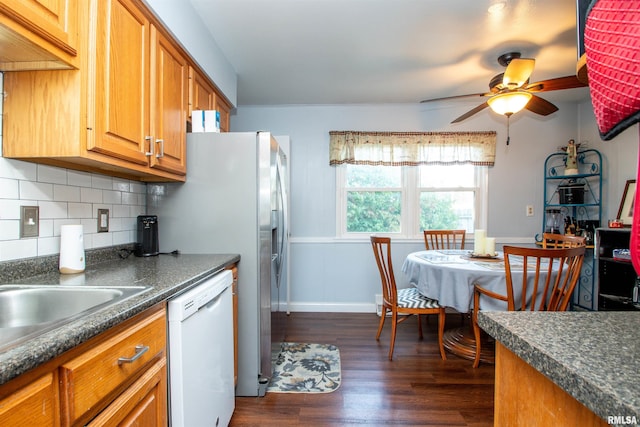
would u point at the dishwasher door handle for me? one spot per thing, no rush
(140, 350)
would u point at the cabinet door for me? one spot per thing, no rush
(201, 93)
(53, 20)
(33, 405)
(169, 97)
(224, 110)
(120, 95)
(144, 403)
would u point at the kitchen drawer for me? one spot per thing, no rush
(98, 374)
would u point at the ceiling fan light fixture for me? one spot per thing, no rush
(509, 103)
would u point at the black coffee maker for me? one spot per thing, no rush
(147, 242)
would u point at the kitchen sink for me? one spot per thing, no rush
(29, 310)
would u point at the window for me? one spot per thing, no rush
(404, 200)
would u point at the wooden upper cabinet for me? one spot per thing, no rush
(121, 84)
(225, 111)
(201, 94)
(38, 34)
(169, 98)
(140, 91)
(123, 110)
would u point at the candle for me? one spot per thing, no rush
(478, 242)
(490, 245)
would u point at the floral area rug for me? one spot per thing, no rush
(306, 368)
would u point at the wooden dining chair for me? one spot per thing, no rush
(402, 303)
(553, 240)
(444, 239)
(549, 276)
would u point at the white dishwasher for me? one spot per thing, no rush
(201, 388)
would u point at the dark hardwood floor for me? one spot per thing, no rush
(417, 388)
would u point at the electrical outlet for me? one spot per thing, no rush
(29, 221)
(103, 220)
(529, 210)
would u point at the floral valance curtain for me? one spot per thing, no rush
(412, 148)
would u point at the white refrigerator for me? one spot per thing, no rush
(234, 201)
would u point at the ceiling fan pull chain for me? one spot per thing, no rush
(508, 137)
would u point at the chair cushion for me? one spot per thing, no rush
(412, 298)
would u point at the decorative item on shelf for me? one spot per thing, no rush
(570, 226)
(616, 223)
(625, 212)
(571, 193)
(571, 162)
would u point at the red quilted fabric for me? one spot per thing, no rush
(612, 48)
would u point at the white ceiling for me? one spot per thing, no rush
(386, 51)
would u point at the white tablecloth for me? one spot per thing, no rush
(448, 277)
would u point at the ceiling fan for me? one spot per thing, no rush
(510, 92)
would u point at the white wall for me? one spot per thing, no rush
(328, 274)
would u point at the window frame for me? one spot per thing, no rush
(409, 217)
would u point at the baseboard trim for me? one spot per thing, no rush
(332, 307)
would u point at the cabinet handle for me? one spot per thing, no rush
(161, 153)
(150, 152)
(140, 350)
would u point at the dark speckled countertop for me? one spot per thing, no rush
(166, 275)
(593, 356)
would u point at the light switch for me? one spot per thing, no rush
(29, 221)
(103, 220)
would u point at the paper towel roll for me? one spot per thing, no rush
(71, 249)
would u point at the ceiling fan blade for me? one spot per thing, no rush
(471, 112)
(469, 95)
(559, 83)
(540, 106)
(518, 72)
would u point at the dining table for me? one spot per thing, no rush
(449, 276)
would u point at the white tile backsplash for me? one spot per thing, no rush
(80, 210)
(9, 229)
(66, 193)
(36, 190)
(51, 174)
(103, 182)
(9, 188)
(91, 195)
(79, 179)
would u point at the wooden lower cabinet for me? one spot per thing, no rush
(116, 378)
(525, 397)
(144, 403)
(35, 404)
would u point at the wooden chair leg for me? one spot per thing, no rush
(381, 324)
(419, 325)
(394, 324)
(476, 334)
(441, 320)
